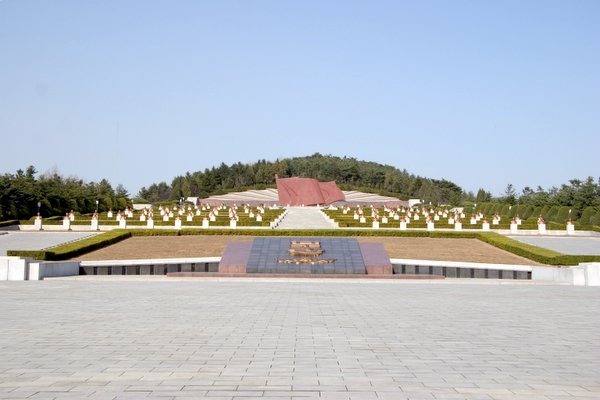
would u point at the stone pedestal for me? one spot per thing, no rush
(436, 217)
(233, 224)
(402, 226)
(451, 221)
(430, 226)
(150, 224)
(570, 229)
(396, 217)
(514, 228)
(165, 218)
(38, 224)
(473, 221)
(123, 223)
(485, 226)
(189, 218)
(363, 220)
(416, 218)
(205, 223)
(142, 218)
(495, 222)
(94, 224)
(109, 214)
(375, 224)
(212, 218)
(67, 224)
(384, 220)
(259, 218)
(458, 226)
(177, 224)
(542, 229)
(355, 216)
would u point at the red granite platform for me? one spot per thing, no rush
(235, 258)
(377, 261)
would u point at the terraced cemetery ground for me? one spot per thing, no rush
(470, 250)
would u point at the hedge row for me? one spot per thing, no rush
(534, 253)
(9, 223)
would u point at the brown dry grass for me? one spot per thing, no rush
(471, 250)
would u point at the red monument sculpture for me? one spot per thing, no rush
(307, 191)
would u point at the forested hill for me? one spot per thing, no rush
(349, 173)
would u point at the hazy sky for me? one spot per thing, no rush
(483, 93)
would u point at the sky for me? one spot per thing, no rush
(482, 93)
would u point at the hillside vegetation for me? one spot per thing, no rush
(349, 173)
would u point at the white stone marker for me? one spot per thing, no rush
(514, 228)
(542, 229)
(150, 223)
(123, 223)
(375, 224)
(570, 229)
(486, 226)
(205, 223)
(94, 224)
(458, 226)
(67, 224)
(232, 224)
(402, 225)
(430, 226)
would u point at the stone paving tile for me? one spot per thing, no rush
(297, 340)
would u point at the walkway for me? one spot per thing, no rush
(15, 240)
(563, 244)
(297, 340)
(305, 218)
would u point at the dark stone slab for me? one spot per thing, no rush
(507, 274)
(479, 273)
(265, 251)
(145, 269)
(522, 275)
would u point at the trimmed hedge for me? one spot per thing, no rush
(10, 222)
(534, 253)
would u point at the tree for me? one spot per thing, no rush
(510, 194)
(483, 196)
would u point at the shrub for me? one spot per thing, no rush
(587, 215)
(563, 214)
(551, 215)
(527, 212)
(595, 220)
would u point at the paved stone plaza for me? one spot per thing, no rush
(15, 240)
(296, 340)
(565, 245)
